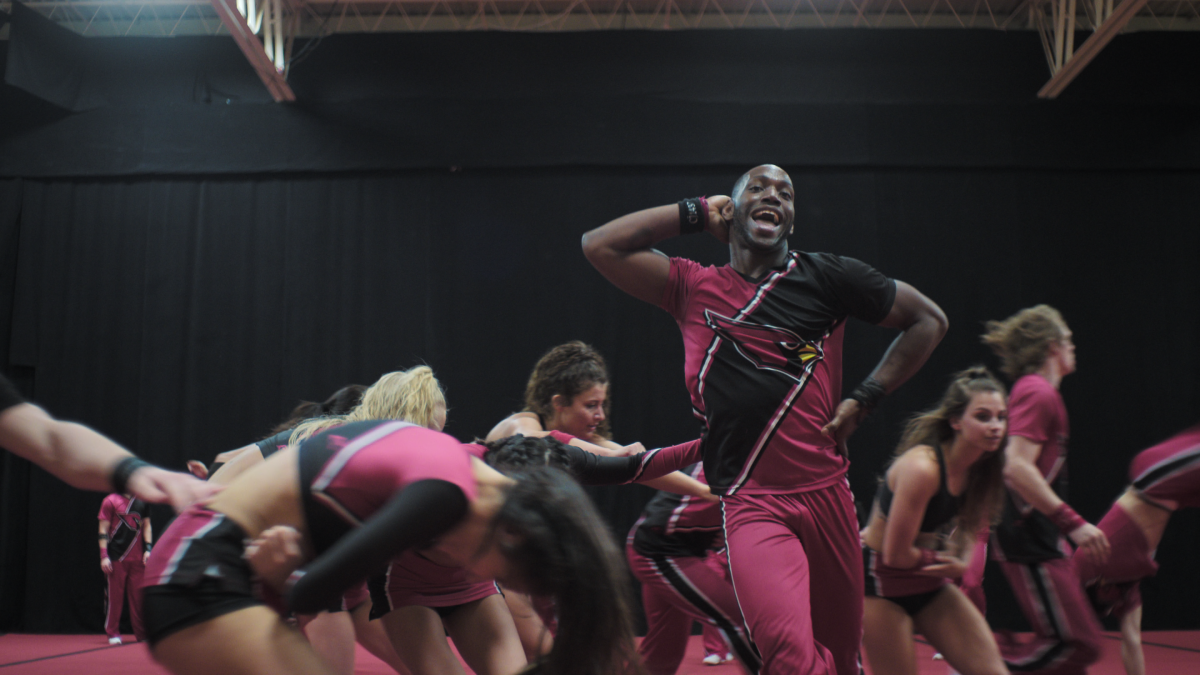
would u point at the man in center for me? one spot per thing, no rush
(763, 341)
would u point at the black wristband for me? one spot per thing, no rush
(123, 470)
(868, 394)
(149, 547)
(693, 215)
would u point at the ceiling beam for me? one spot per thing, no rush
(1100, 38)
(255, 53)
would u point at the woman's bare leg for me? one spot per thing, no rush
(486, 637)
(372, 636)
(954, 626)
(888, 638)
(332, 636)
(419, 638)
(251, 641)
(535, 638)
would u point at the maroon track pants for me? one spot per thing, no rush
(796, 564)
(1067, 633)
(126, 576)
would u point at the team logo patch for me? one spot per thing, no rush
(768, 347)
(132, 520)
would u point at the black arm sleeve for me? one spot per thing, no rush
(592, 469)
(418, 513)
(9, 396)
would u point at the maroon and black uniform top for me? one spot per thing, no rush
(1035, 412)
(679, 525)
(763, 364)
(124, 518)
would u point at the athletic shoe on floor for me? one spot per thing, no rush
(717, 659)
(114, 641)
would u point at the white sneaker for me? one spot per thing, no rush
(114, 640)
(712, 660)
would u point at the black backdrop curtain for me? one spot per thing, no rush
(184, 317)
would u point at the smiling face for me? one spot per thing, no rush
(984, 423)
(763, 212)
(581, 416)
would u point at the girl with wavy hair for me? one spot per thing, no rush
(943, 486)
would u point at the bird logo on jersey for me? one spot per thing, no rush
(768, 347)
(132, 520)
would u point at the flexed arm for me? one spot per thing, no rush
(922, 324)
(622, 250)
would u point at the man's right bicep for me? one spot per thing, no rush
(643, 274)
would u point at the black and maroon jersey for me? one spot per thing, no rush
(124, 518)
(9, 396)
(1036, 412)
(678, 525)
(763, 363)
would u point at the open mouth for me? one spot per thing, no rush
(766, 217)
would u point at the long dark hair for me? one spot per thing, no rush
(566, 370)
(562, 548)
(984, 496)
(339, 403)
(516, 453)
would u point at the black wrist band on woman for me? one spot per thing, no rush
(123, 470)
(868, 394)
(693, 215)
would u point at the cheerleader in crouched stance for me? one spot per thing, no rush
(943, 486)
(355, 497)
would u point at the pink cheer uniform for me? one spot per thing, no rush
(413, 579)
(369, 491)
(903, 586)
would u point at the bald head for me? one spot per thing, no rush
(761, 170)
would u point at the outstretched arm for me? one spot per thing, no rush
(622, 250)
(85, 459)
(922, 325)
(592, 469)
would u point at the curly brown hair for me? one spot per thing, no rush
(1023, 340)
(567, 370)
